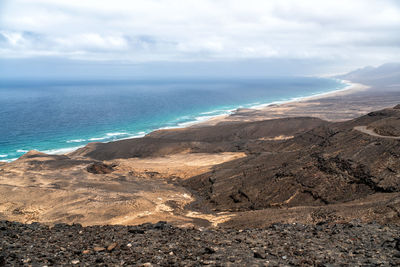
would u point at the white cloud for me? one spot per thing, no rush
(92, 41)
(190, 30)
(13, 38)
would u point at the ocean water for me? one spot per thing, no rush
(60, 116)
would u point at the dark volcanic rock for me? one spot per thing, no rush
(100, 168)
(351, 244)
(329, 164)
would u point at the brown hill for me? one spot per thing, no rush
(333, 163)
(209, 139)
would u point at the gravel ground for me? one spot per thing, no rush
(351, 244)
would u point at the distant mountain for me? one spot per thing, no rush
(387, 75)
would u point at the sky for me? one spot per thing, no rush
(124, 38)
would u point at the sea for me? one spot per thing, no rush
(59, 116)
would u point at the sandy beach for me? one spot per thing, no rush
(353, 101)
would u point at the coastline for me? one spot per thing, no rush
(232, 115)
(215, 119)
(351, 88)
(212, 120)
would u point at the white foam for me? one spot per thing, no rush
(196, 120)
(107, 136)
(204, 116)
(210, 112)
(76, 141)
(3, 156)
(115, 134)
(97, 138)
(218, 112)
(22, 151)
(139, 135)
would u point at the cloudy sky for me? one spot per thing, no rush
(206, 36)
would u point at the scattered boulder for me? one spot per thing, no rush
(99, 249)
(112, 246)
(100, 168)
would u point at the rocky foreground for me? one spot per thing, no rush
(351, 244)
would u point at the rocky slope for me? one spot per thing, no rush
(329, 164)
(161, 244)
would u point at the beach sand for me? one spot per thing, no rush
(353, 101)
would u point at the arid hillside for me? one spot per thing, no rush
(231, 174)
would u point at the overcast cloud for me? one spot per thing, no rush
(357, 31)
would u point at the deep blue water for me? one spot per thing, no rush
(57, 116)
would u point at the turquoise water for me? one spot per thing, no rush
(60, 116)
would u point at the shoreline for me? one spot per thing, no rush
(351, 88)
(210, 120)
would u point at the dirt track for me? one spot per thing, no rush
(371, 132)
